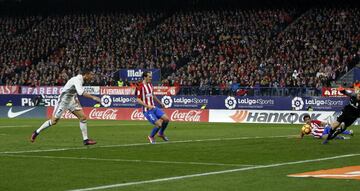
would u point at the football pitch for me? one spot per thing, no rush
(199, 156)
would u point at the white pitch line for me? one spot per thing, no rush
(127, 160)
(11, 126)
(325, 175)
(69, 125)
(142, 144)
(212, 173)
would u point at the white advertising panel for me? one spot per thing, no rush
(267, 116)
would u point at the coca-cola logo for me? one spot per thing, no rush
(192, 115)
(137, 115)
(68, 115)
(103, 114)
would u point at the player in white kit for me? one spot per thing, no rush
(68, 100)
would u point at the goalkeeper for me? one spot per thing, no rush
(349, 115)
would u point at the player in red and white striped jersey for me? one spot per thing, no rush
(144, 92)
(317, 128)
(153, 114)
(320, 128)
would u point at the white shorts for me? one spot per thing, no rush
(62, 106)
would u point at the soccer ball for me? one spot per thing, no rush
(306, 129)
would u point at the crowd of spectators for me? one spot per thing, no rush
(61, 45)
(311, 52)
(257, 51)
(235, 45)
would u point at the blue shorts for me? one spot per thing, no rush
(153, 115)
(326, 130)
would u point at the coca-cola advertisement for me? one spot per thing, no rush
(137, 114)
(92, 113)
(191, 115)
(67, 115)
(104, 113)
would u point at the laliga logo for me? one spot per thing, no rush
(297, 103)
(230, 102)
(106, 100)
(167, 101)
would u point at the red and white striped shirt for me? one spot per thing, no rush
(145, 93)
(316, 128)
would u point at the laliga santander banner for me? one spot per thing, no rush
(102, 113)
(198, 102)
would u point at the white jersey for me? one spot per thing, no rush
(68, 96)
(72, 88)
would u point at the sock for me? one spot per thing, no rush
(336, 132)
(339, 137)
(45, 125)
(346, 132)
(163, 127)
(83, 127)
(154, 131)
(331, 134)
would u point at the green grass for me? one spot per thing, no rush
(122, 155)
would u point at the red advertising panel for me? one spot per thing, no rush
(158, 90)
(166, 90)
(9, 89)
(333, 92)
(193, 115)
